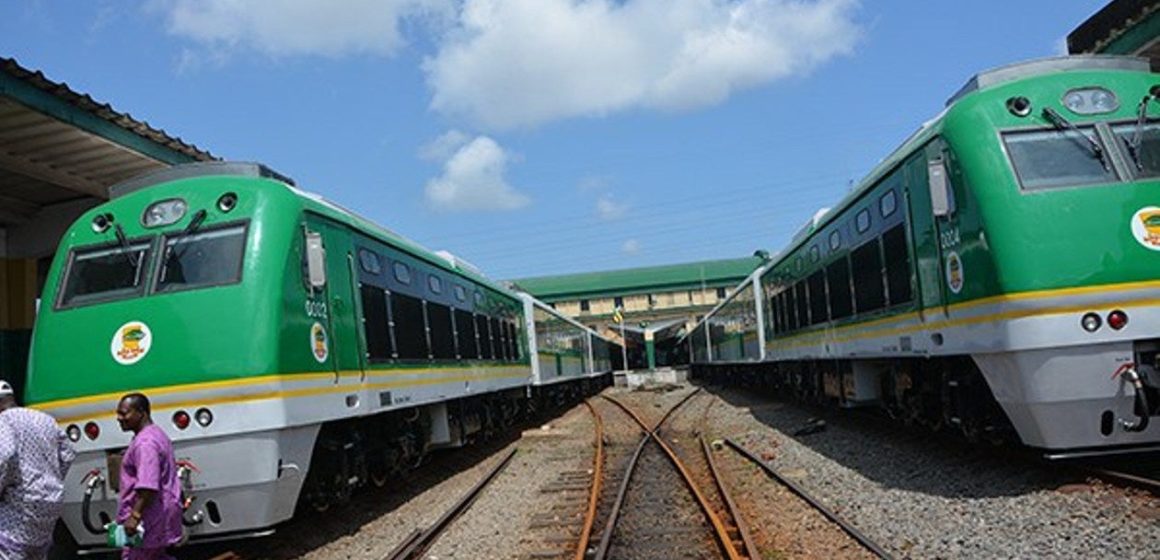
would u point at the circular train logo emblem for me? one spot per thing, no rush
(131, 342)
(1146, 227)
(954, 272)
(318, 343)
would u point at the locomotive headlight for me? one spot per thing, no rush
(74, 433)
(1090, 101)
(163, 213)
(101, 222)
(1091, 322)
(204, 417)
(92, 430)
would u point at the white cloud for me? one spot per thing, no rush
(609, 209)
(1060, 47)
(299, 27)
(518, 63)
(630, 247)
(473, 180)
(445, 146)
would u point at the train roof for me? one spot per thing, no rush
(977, 83)
(332, 209)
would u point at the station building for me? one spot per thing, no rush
(60, 150)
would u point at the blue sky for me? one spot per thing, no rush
(535, 137)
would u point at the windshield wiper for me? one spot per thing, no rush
(1060, 123)
(1138, 134)
(125, 245)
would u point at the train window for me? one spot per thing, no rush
(478, 298)
(838, 284)
(375, 323)
(791, 322)
(103, 273)
(835, 240)
(510, 328)
(410, 327)
(465, 335)
(486, 351)
(1045, 159)
(497, 342)
(897, 265)
(460, 293)
(202, 259)
(1143, 147)
(435, 284)
(442, 334)
(887, 204)
(369, 262)
(815, 254)
(402, 273)
(869, 290)
(774, 315)
(802, 301)
(862, 220)
(817, 286)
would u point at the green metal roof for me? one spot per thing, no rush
(708, 274)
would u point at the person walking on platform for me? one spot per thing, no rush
(150, 499)
(34, 458)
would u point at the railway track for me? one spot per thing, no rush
(421, 539)
(660, 510)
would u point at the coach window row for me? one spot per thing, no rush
(869, 277)
(409, 313)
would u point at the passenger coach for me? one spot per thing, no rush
(997, 271)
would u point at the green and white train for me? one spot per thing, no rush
(999, 272)
(292, 350)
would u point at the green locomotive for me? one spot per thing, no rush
(292, 350)
(999, 270)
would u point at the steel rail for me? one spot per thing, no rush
(1123, 478)
(742, 528)
(597, 481)
(848, 528)
(614, 515)
(414, 545)
(718, 526)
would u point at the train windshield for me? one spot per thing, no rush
(1046, 159)
(1143, 147)
(105, 273)
(206, 258)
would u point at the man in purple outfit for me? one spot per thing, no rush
(34, 457)
(150, 492)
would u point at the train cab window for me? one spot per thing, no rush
(1046, 159)
(104, 273)
(862, 221)
(497, 339)
(402, 273)
(202, 259)
(369, 262)
(1142, 147)
(887, 204)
